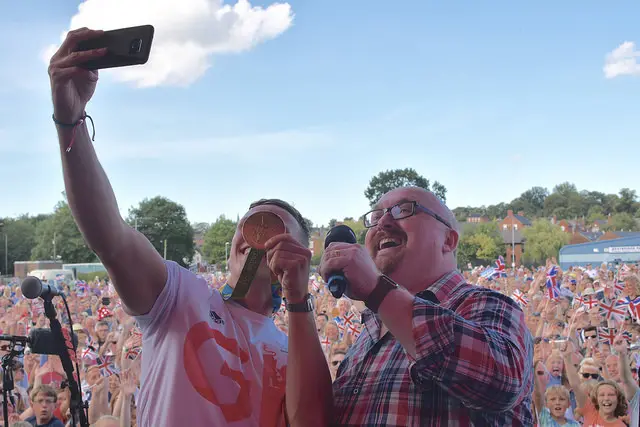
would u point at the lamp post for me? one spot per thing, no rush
(513, 245)
(6, 249)
(226, 256)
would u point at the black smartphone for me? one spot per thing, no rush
(125, 46)
(106, 300)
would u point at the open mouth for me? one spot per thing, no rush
(607, 405)
(388, 243)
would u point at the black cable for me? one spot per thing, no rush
(75, 350)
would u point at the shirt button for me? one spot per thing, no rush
(356, 391)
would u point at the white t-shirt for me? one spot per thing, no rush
(634, 410)
(207, 362)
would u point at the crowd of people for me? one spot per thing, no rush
(584, 322)
(416, 343)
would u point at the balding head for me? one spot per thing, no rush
(425, 242)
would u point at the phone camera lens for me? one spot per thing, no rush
(135, 46)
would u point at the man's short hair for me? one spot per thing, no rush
(102, 323)
(46, 390)
(289, 208)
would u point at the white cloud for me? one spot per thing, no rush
(621, 61)
(188, 33)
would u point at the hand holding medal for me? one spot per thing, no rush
(256, 231)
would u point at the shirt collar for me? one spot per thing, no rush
(445, 285)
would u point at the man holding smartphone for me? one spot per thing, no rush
(208, 361)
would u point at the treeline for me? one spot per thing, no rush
(563, 202)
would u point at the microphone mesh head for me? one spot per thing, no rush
(31, 287)
(340, 233)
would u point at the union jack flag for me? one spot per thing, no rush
(618, 287)
(606, 335)
(488, 273)
(107, 368)
(499, 271)
(132, 353)
(520, 298)
(612, 310)
(552, 282)
(88, 353)
(347, 319)
(627, 336)
(634, 307)
(578, 300)
(589, 301)
(354, 330)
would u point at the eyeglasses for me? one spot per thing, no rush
(401, 210)
(593, 376)
(538, 340)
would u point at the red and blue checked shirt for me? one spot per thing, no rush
(473, 367)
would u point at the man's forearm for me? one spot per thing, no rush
(309, 396)
(89, 192)
(396, 313)
(450, 346)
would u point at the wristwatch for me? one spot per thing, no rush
(383, 287)
(305, 306)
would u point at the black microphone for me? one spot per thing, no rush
(40, 341)
(33, 288)
(337, 283)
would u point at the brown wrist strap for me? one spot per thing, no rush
(383, 287)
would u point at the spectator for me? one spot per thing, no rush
(43, 402)
(454, 354)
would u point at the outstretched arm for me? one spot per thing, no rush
(136, 268)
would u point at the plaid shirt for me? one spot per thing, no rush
(473, 367)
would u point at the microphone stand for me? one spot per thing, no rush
(65, 348)
(7, 380)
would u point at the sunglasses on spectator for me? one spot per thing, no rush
(336, 362)
(540, 339)
(593, 376)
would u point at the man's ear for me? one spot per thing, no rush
(451, 241)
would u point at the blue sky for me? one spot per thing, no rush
(489, 98)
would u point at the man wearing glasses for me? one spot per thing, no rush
(437, 351)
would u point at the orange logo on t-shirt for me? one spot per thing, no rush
(197, 335)
(273, 379)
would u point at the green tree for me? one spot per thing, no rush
(20, 239)
(543, 240)
(220, 233)
(315, 259)
(392, 179)
(595, 213)
(627, 201)
(621, 222)
(479, 244)
(162, 220)
(58, 237)
(531, 202)
(200, 228)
